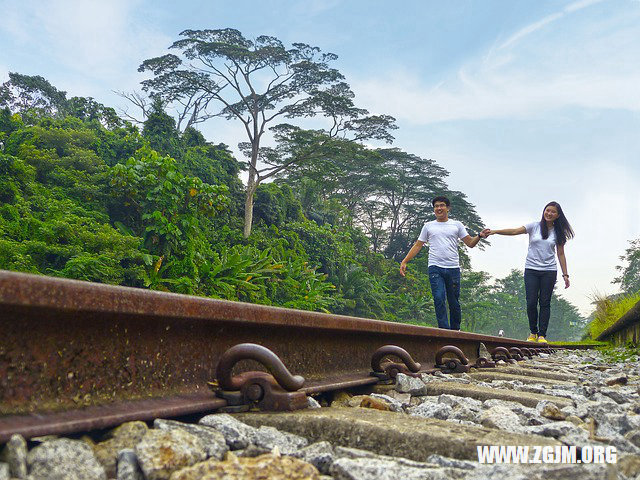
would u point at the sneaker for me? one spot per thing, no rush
(532, 338)
(541, 339)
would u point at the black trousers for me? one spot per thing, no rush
(538, 285)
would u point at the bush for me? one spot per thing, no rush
(609, 310)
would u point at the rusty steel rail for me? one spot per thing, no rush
(66, 344)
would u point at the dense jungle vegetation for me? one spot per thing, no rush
(608, 309)
(88, 194)
(84, 195)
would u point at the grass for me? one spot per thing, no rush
(609, 310)
(587, 341)
(629, 353)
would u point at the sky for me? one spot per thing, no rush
(523, 102)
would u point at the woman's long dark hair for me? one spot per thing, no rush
(561, 225)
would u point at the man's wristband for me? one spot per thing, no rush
(566, 275)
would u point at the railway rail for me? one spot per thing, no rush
(77, 356)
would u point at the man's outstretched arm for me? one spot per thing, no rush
(412, 253)
(471, 242)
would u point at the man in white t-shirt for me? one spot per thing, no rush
(443, 234)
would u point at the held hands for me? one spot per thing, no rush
(485, 233)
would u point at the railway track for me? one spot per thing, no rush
(78, 357)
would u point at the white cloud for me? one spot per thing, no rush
(589, 64)
(100, 36)
(580, 4)
(73, 39)
(529, 29)
(474, 97)
(540, 24)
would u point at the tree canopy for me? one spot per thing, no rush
(257, 83)
(629, 278)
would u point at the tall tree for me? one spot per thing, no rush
(629, 278)
(404, 190)
(34, 97)
(32, 94)
(256, 82)
(388, 191)
(340, 168)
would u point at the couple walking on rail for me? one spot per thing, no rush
(546, 240)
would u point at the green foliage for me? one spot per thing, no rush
(329, 248)
(238, 273)
(302, 287)
(85, 195)
(9, 123)
(33, 96)
(298, 283)
(168, 210)
(88, 110)
(52, 216)
(476, 301)
(36, 99)
(47, 229)
(192, 137)
(609, 310)
(363, 294)
(503, 306)
(160, 130)
(626, 354)
(566, 322)
(387, 192)
(629, 278)
(215, 165)
(275, 204)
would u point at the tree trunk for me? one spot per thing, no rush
(252, 185)
(248, 210)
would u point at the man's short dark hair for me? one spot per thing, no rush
(446, 201)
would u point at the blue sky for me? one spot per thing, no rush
(522, 101)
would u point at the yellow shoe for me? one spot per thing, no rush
(532, 338)
(542, 340)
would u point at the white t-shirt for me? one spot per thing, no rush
(442, 238)
(542, 252)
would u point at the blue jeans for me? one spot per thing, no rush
(538, 286)
(445, 282)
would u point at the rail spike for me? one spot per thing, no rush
(390, 370)
(482, 362)
(452, 365)
(527, 352)
(516, 353)
(501, 353)
(267, 391)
